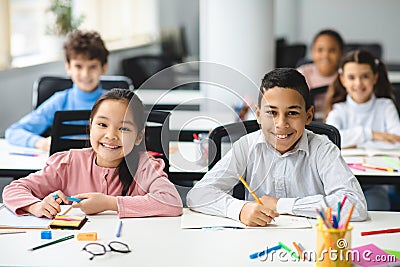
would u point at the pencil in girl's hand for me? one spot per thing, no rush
(248, 188)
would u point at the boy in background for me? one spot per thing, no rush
(294, 170)
(86, 60)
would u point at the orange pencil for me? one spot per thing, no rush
(299, 251)
(346, 224)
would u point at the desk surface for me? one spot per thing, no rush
(17, 165)
(161, 242)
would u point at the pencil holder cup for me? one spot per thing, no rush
(333, 247)
(201, 154)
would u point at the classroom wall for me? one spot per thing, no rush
(172, 16)
(356, 20)
(16, 84)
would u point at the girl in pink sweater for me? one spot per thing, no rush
(116, 173)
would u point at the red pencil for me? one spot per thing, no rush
(384, 231)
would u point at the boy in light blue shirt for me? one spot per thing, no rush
(86, 60)
(291, 169)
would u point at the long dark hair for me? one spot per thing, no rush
(136, 107)
(382, 88)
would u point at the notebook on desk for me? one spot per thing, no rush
(196, 220)
(370, 152)
(9, 220)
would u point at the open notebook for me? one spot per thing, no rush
(195, 220)
(374, 149)
(9, 220)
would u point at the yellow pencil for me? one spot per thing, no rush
(66, 211)
(248, 188)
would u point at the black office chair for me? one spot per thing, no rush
(228, 134)
(374, 48)
(46, 86)
(141, 68)
(71, 130)
(289, 55)
(318, 100)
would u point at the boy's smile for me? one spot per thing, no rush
(282, 117)
(85, 73)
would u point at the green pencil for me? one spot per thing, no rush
(291, 253)
(53, 242)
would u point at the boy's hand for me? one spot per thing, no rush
(254, 214)
(48, 207)
(43, 144)
(93, 203)
(269, 202)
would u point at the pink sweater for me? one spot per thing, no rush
(75, 172)
(313, 77)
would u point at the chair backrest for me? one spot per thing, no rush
(141, 68)
(222, 138)
(46, 86)
(318, 100)
(289, 55)
(71, 130)
(374, 48)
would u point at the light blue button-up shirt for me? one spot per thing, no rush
(311, 175)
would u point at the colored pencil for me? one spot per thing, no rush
(298, 250)
(346, 224)
(118, 234)
(291, 253)
(379, 168)
(52, 242)
(384, 231)
(248, 188)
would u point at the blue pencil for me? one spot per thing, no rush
(119, 229)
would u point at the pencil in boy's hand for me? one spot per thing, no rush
(248, 188)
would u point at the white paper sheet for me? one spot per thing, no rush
(192, 220)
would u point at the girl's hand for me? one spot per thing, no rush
(386, 137)
(254, 214)
(93, 203)
(48, 207)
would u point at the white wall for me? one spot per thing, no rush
(236, 49)
(355, 20)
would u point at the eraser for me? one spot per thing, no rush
(92, 236)
(46, 235)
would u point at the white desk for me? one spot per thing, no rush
(17, 166)
(173, 99)
(161, 242)
(370, 175)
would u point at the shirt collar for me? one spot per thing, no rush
(87, 96)
(361, 107)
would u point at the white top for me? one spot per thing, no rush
(312, 175)
(356, 122)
